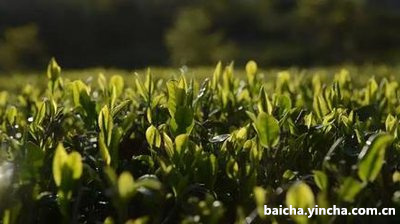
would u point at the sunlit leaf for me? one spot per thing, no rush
(251, 70)
(126, 185)
(75, 164)
(181, 142)
(117, 82)
(60, 158)
(104, 151)
(53, 70)
(153, 136)
(267, 128)
(349, 189)
(301, 196)
(260, 198)
(321, 179)
(372, 156)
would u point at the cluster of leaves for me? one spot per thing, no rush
(179, 151)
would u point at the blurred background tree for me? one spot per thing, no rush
(192, 39)
(20, 48)
(137, 33)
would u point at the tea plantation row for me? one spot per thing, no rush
(198, 151)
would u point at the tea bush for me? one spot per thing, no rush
(183, 151)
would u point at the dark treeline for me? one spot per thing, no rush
(136, 33)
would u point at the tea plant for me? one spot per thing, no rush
(183, 151)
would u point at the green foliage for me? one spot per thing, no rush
(181, 151)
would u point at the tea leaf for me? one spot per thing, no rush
(267, 128)
(181, 142)
(126, 185)
(60, 158)
(66, 167)
(372, 156)
(75, 164)
(153, 136)
(349, 189)
(260, 198)
(396, 177)
(53, 70)
(251, 70)
(104, 152)
(301, 196)
(11, 114)
(117, 82)
(321, 180)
